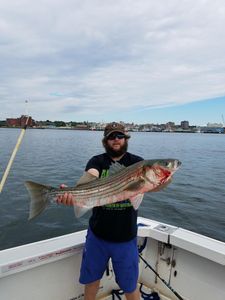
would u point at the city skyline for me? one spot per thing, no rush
(198, 113)
(183, 127)
(20, 122)
(141, 62)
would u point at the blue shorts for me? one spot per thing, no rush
(124, 257)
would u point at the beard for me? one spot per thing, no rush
(115, 153)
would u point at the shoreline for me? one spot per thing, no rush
(139, 131)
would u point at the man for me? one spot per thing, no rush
(112, 229)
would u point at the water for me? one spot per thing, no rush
(195, 200)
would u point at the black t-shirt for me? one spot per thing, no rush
(116, 222)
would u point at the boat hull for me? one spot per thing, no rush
(192, 264)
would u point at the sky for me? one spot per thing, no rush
(135, 61)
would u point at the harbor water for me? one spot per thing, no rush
(195, 200)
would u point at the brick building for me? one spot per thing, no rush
(20, 122)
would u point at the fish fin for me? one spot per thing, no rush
(136, 200)
(86, 178)
(136, 185)
(80, 211)
(115, 168)
(39, 200)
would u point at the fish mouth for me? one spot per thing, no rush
(174, 165)
(178, 163)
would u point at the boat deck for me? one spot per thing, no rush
(145, 293)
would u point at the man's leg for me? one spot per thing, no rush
(94, 263)
(91, 290)
(134, 295)
(125, 265)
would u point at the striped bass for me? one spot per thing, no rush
(121, 184)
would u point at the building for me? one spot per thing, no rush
(212, 129)
(169, 126)
(20, 122)
(184, 125)
(218, 125)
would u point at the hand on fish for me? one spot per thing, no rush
(66, 199)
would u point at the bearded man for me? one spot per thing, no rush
(112, 231)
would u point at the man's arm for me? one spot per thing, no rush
(93, 172)
(88, 176)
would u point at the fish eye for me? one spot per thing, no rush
(167, 164)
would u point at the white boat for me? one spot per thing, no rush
(191, 264)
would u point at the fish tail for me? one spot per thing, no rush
(39, 199)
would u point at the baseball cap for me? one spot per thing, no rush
(115, 127)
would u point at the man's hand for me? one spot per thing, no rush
(66, 199)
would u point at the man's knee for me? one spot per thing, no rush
(91, 290)
(135, 295)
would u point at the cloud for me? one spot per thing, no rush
(74, 59)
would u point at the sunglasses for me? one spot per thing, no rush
(115, 135)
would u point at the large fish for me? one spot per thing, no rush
(122, 183)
